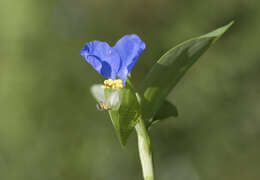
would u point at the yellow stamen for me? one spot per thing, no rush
(110, 83)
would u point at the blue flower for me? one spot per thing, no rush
(116, 61)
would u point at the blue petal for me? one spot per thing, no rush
(128, 47)
(103, 58)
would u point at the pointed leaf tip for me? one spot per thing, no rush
(218, 32)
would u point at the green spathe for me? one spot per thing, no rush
(125, 118)
(123, 108)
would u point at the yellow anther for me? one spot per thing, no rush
(110, 83)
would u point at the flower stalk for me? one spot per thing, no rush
(144, 148)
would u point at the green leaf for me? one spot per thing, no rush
(171, 67)
(166, 110)
(125, 118)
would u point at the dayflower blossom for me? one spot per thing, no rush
(113, 62)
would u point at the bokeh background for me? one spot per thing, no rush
(50, 128)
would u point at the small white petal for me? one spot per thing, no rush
(113, 99)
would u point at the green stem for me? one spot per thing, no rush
(144, 150)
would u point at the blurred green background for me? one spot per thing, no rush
(50, 128)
